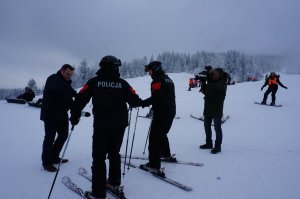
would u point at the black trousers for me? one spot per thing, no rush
(272, 90)
(158, 140)
(106, 143)
(218, 129)
(51, 146)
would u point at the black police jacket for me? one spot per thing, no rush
(110, 95)
(162, 96)
(57, 99)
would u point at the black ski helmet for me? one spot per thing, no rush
(155, 66)
(110, 61)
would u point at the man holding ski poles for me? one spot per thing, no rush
(164, 110)
(110, 95)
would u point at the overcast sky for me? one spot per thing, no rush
(38, 36)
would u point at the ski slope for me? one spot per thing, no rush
(260, 155)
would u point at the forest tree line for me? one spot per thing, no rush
(239, 65)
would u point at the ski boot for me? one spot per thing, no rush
(116, 190)
(170, 158)
(155, 171)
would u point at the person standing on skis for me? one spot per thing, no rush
(272, 81)
(110, 95)
(164, 110)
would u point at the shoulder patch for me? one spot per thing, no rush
(84, 88)
(156, 86)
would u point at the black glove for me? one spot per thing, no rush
(74, 120)
(285, 87)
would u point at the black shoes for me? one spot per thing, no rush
(57, 161)
(216, 150)
(206, 146)
(50, 168)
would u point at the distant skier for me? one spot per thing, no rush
(272, 81)
(28, 95)
(191, 84)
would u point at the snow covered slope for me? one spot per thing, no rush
(260, 155)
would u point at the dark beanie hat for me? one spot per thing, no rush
(155, 66)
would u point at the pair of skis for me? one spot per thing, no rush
(119, 194)
(115, 193)
(176, 117)
(167, 161)
(160, 173)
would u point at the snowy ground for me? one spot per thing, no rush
(260, 155)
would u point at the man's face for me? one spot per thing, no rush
(150, 72)
(67, 74)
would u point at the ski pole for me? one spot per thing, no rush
(129, 121)
(137, 114)
(148, 134)
(60, 161)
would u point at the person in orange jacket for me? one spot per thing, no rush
(272, 81)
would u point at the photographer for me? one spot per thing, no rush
(215, 92)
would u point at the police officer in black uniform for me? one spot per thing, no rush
(164, 110)
(109, 95)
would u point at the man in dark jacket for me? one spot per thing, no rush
(164, 110)
(214, 96)
(273, 82)
(110, 95)
(28, 95)
(57, 100)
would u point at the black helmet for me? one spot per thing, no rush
(155, 66)
(109, 61)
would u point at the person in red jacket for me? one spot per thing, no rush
(272, 81)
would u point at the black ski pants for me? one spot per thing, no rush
(158, 140)
(217, 127)
(51, 146)
(272, 90)
(106, 143)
